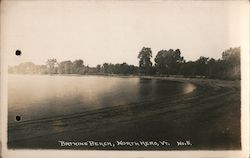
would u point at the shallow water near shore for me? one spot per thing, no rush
(129, 109)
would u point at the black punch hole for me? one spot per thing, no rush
(18, 52)
(18, 118)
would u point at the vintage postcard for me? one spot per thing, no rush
(124, 78)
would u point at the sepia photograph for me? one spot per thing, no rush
(124, 75)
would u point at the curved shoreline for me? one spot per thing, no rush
(209, 117)
(210, 82)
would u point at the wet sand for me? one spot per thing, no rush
(208, 117)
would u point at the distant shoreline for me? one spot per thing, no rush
(194, 80)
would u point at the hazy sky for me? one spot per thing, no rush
(110, 31)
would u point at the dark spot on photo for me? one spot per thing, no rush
(18, 118)
(18, 52)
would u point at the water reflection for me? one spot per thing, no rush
(188, 88)
(35, 96)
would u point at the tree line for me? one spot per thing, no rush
(167, 63)
(170, 62)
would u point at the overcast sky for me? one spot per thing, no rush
(115, 32)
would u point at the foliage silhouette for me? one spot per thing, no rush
(167, 62)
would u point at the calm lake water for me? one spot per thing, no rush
(42, 96)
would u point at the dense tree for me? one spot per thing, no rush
(145, 63)
(212, 72)
(98, 68)
(231, 58)
(65, 67)
(78, 67)
(167, 61)
(201, 66)
(187, 69)
(228, 67)
(107, 68)
(51, 64)
(123, 68)
(28, 68)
